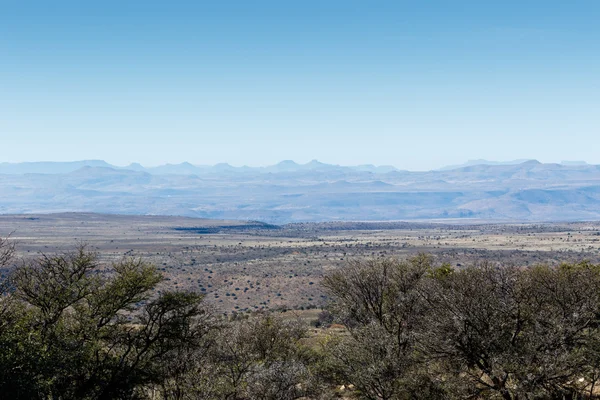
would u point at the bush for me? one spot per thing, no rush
(420, 331)
(72, 328)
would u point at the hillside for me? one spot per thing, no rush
(291, 192)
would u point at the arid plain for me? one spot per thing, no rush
(243, 266)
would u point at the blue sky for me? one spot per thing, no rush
(415, 84)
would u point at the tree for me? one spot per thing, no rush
(7, 251)
(517, 332)
(72, 327)
(487, 331)
(89, 332)
(263, 357)
(380, 304)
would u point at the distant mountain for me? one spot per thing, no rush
(184, 168)
(315, 191)
(471, 163)
(573, 163)
(382, 169)
(49, 167)
(135, 167)
(284, 166)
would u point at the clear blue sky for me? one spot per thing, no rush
(415, 84)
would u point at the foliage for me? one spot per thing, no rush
(380, 303)
(74, 328)
(71, 328)
(421, 331)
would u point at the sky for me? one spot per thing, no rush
(414, 84)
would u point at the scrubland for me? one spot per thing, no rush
(249, 266)
(77, 325)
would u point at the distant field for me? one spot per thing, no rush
(250, 265)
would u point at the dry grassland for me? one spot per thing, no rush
(243, 266)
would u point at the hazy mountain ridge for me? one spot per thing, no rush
(289, 192)
(184, 168)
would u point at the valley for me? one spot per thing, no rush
(245, 265)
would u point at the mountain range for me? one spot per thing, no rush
(185, 168)
(523, 190)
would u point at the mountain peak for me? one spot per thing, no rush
(135, 167)
(287, 163)
(313, 164)
(223, 167)
(531, 162)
